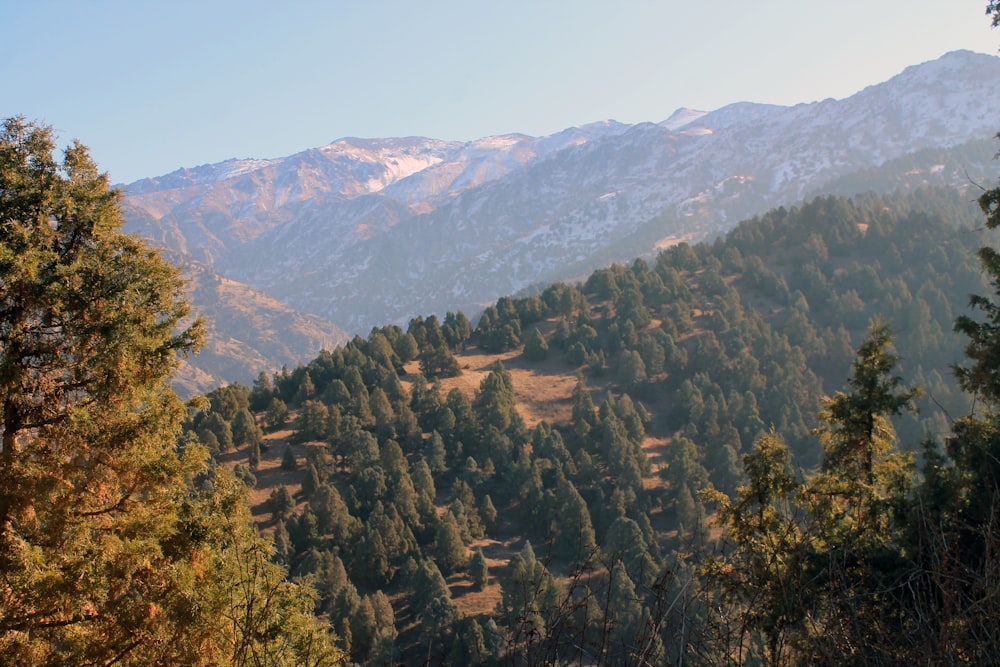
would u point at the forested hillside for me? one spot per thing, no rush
(676, 485)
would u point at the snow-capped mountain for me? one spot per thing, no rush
(366, 232)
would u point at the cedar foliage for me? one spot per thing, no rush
(117, 543)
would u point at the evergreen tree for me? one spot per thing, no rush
(371, 557)
(530, 596)
(573, 533)
(437, 622)
(434, 453)
(253, 456)
(626, 543)
(288, 460)
(496, 405)
(456, 329)
(631, 370)
(427, 584)
(305, 390)
(449, 549)
(109, 556)
(535, 348)
(311, 481)
(219, 427)
(488, 513)
(281, 503)
(406, 348)
(276, 413)
(763, 574)
(245, 430)
(479, 572)
(261, 394)
(332, 515)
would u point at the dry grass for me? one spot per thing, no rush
(270, 475)
(543, 390)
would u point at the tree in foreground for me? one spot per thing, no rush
(110, 552)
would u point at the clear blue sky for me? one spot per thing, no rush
(152, 86)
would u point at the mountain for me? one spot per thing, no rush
(246, 332)
(364, 232)
(610, 441)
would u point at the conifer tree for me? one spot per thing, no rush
(535, 348)
(427, 584)
(245, 430)
(449, 550)
(108, 555)
(281, 503)
(311, 481)
(288, 460)
(530, 596)
(276, 413)
(573, 533)
(479, 571)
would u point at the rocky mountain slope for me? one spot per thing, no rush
(364, 232)
(246, 332)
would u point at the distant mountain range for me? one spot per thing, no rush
(364, 232)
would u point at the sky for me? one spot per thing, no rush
(154, 86)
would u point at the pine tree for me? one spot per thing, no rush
(573, 534)
(253, 456)
(311, 481)
(530, 596)
(535, 348)
(762, 575)
(427, 584)
(107, 554)
(449, 550)
(281, 503)
(479, 571)
(488, 513)
(288, 461)
(245, 430)
(276, 413)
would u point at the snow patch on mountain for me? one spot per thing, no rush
(368, 231)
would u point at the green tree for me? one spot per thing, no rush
(530, 596)
(535, 348)
(253, 456)
(496, 404)
(631, 370)
(449, 550)
(288, 460)
(406, 348)
(245, 430)
(864, 483)
(479, 571)
(763, 576)
(456, 329)
(311, 482)
(276, 413)
(573, 533)
(437, 622)
(626, 543)
(281, 503)
(107, 554)
(488, 513)
(261, 394)
(426, 584)
(219, 427)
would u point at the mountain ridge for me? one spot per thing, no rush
(367, 231)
